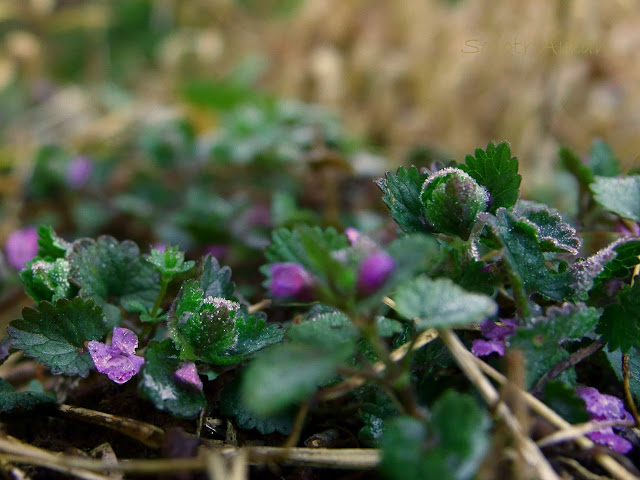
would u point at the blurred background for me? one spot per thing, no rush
(412, 81)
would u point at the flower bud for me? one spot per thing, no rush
(79, 172)
(374, 271)
(290, 279)
(21, 246)
(188, 374)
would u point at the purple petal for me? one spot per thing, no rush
(188, 373)
(289, 279)
(352, 234)
(124, 340)
(79, 172)
(610, 439)
(217, 250)
(493, 331)
(374, 271)
(21, 246)
(602, 406)
(482, 348)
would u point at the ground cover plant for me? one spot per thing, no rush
(430, 322)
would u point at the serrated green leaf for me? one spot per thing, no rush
(619, 195)
(452, 201)
(620, 322)
(441, 303)
(10, 400)
(495, 169)
(233, 405)
(457, 435)
(522, 252)
(47, 280)
(571, 162)
(55, 334)
(50, 245)
(328, 328)
(626, 258)
(541, 343)
(554, 234)
(170, 262)
(215, 281)
(105, 269)
(602, 160)
(402, 198)
(159, 385)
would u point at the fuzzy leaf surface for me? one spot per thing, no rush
(50, 246)
(402, 198)
(620, 322)
(215, 281)
(160, 386)
(441, 303)
(619, 195)
(47, 280)
(554, 234)
(54, 334)
(495, 169)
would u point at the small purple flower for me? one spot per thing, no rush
(290, 279)
(628, 229)
(161, 247)
(259, 216)
(601, 408)
(496, 337)
(79, 172)
(118, 360)
(217, 250)
(21, 246)
(188, 374)
(352, 234)
(374, 270)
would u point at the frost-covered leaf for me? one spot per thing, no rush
(215, 281)
(441, 303)
(523, 253)
(50, 246)
(47, 280)
(160, 385)
(54, 334)
(619, 195)
(106, 270)
(554, 234)
(233, 405)
(402, 198)
(457, 439)
(452, 201)
(34, 397)
(620, 322)
(541, 343)
(495, 169)
(170, 262)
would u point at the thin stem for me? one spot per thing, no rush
(298, 424)
(164, 283)
(626, 376)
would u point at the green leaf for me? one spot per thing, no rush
(562, 399)
(50, 245)
(441, 303)
(554, 234)
(523, 254)
(232, 404)
(159, 384)
(494, 169)
(620, 322)
(571, 162)
(619, 195)
(170, 262)
(615, 360)
(602, 160)
(10, 400)
(47, 280)
(541, 344)
(215, 281)
(457, 440)
(55, 334)
(452, 201)
(402, 198)
(105, 270)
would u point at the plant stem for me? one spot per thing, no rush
(626, 376)
(164, 283)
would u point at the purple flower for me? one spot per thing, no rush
(117, 361)
(374, 270)
(605, 407)
(79, 172)
(496, 337)
(352, 234)
(290, 279)
(21, 246)
(188, 374)
(628, 229)
(217, 250)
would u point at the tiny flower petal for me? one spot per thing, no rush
(21, 246)
(352, 234)
(79, 172)
(188, 373)
(482, 348)
(374, 271)
(289, 279)
(493, 331)
(124, 340)
(610, 439)
(217, 250)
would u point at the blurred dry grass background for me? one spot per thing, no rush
(395, 70)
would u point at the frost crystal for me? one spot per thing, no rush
(118, 360)
(605, 407)
(21, 246)
(219, 302)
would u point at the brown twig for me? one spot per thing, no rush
(575, 431)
